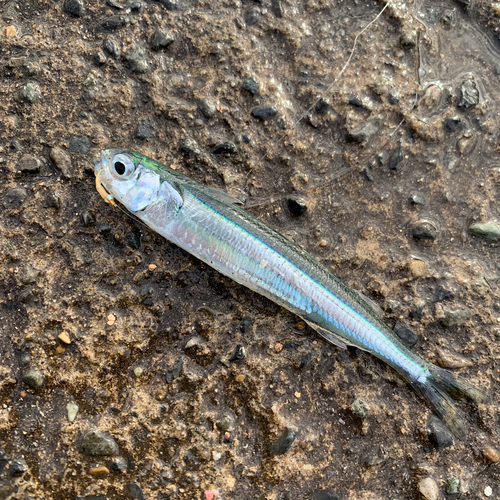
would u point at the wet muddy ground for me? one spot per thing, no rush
(128, 369)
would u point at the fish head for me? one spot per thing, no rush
(133, 179)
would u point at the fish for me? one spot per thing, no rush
(211, 225)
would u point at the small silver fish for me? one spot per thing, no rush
(209, 224)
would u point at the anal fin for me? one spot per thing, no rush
(328, 335)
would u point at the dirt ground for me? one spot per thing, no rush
(121, 374)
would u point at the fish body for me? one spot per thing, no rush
(210, 225)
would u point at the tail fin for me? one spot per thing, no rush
(436, 390)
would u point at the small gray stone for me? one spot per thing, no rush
(415, 199)
(207, 108)
(28, 275)
(469, 95)
(135, 491)
(99, 58)
(88, 218)
(439, 435)
(31, 93)
(175, 371)
(489, 230)
(296, 206)
(52, 200)
(145, 130)
(97, 443)
(74, 7)
(322, 105)
(428, 488)
(452, 483)
(18, 467)
(226, 424)
(14, 197)
(360, 408)
(393, 98)
(26, 296)
(79, 144)
(251, 85)
(264, 112)
(33, 378)
(172, 4)
(110, 47)
(112, 24)
(72, 409)
(453, 317)
(224, 148)
(406, 334)
(190, 148)
(252, 16)
(424, 230)
(160, 40)
(283, 443)
(136, 57)
(29, 164)
(62, 161)
(118, 464)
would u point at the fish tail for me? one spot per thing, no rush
(439, 385)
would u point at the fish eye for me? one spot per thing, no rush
(123, 166)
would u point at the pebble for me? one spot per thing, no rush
(395, 159)
(488, 491)
(79, 144)
(109, 46)
(118, 464)
(360, 408)
(296, 206)
(428, 488)
(112, 24)
(451, 124)
(207, 108)
(224, 148)
(97, 443)
(406, 334)
(88, 218)
(238, 353)
(431, 97)
(355, 100)
(29, 275)
(365, 132)
(469, 95)
(101, 470)
(190, 148)
(134, 239)
(29, 164)
(145, 130)
(488, 230)
(14, 197)
(52, 200)
(453, 317)
(252, 16)
(31, 93)
(226, 424)
(264, 112)
(283, 443)
(135, 491)
(424, 230)
(160, 40)
(74, 7)
(441, 294)
(34, 378)
(416, 268)
(64, 337)
(452, 483)
(136, 57)
(304, 360)
(111, 319)
(171, 5)
(251, 85)
(99, 58)
(175, 371)
(26, 296)
(138, 371)
(72, 409)
(490, 454)
(62, 161)
(438, 434)
(325, 495)
(18, 467)
(393, 98)
(448, 359)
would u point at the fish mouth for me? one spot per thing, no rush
(101, 188)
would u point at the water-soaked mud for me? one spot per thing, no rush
(104, 319)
